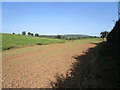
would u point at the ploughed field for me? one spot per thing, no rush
(37, 66)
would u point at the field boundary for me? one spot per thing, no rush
(32, 44)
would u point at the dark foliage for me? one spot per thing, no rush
(113, 38)
(37, 34)
(29, 33)
(58, 36)
(23, 33)
(32, 34)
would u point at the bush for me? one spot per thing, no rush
(58, 36)
(37, 34)
(23, 33)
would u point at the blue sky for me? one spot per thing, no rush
(48, 18)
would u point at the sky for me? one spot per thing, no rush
(53, 18)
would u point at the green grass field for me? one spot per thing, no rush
(10, 40)
(87, 40)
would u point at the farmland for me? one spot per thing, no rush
(60, 45)
(11, 41)
(36, 66)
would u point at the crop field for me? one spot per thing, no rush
(37, 66)
(10, 40)
(60, 45)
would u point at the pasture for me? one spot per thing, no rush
(11, 41)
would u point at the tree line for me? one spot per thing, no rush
(29, 33)
(103, 35)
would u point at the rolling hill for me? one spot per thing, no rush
(13, 40)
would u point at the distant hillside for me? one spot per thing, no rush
(66, 35)
(76, 35)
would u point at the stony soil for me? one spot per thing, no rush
(36, 66)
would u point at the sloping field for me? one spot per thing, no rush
(37, 66)
(10, 40)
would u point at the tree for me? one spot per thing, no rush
(29, 33)
(79, 37)
(23, 33)
(32, 34)
(104, 34)
(58, 36)
(37, 34)
(13, 33)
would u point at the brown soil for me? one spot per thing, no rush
(37, 66)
